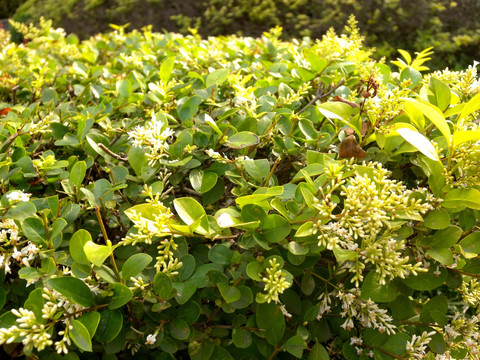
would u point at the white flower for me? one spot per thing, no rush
(17, 195)
(151, 339)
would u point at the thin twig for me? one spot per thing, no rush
(111, 153)
(320, 95)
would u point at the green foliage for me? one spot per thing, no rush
(410, 25)
(164, 196)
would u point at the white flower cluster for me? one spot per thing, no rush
(153, 136)
(417, 346)
(366, 312)
(463, 333)
(275, 281)
(17, 196)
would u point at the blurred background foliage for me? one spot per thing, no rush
(451, 27)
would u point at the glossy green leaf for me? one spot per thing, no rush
(162, 285)
(73, 289)
(437, 219)
(77, 174)
(110, 325)
(463, 136)
(90, 320)
(179, 329)
(121, 296)
(229, 293)
(202, 181)
(242, 140)
(270, 318)
(220, 254)
(216, 77)
(420, 142)
(80, 336)
(166, 69)
(77, 242)
(372, 289)
(34, 230)
(275, 228)
(461, 198)
(434, 114)
(295, 346)
(96, 253)
(134, 265)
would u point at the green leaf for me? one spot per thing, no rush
(134, 265)
(162, 285)
(34, 303)
(270, 318)
(437, 219)
(96, 253)
(316, 62)
(318, 353)
(90, 320)
(73, 289)
(166, 69)
(217, 77)
(220, 254)
(179, 329)
(77, 174)
(275, 228)
(242, 140)
(434, 114)
(446, 237)
(136, 159)
(462, 136)
(472, 105)
(109, 327)
(471, 244)
(185, 290)
(77, 242)
(420, 142)
(254, 270)
(459, 199)
(202, 181)
(34, 230)
(441, 93)
(371, 288)
(344, 255)
(124, 88)
(229, 293)
(241, 338)
(80, 335)
(396, 344)
(443, 255)
(430, 280)
(257, 169)
(189, 210)
(121, 296)
(246, 298)
(295, 346)
(437, 303)
(189, 109)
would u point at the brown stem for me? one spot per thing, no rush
(107, 242)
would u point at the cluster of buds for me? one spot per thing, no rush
(275, 281)
(34, 334)
(166, 262)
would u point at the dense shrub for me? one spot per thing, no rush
(451, 27)
(8, 7)
(164, 196)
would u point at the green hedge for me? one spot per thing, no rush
(451, 27)
(168, 197)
